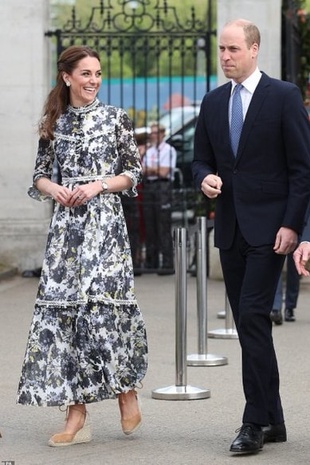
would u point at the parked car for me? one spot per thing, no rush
(179, 117)
(180, 127)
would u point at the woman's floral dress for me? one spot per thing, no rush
(87, 340)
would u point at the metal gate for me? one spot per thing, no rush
(157, 65)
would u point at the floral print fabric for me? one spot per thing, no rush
(87, 340)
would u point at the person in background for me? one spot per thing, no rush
(159, 163)
(252, 153)
(133, 209)
(291, 294)
(87, 341)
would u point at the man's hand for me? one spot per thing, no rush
(301, 256)
(211, 186)
(286, 241)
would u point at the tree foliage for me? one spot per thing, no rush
(304, 31)
(297, 17)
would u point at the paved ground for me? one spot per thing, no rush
(179, 432)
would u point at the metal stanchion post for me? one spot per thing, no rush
(181, 391)
(229, 332)
(203, 358)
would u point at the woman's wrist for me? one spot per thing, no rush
(104, 187)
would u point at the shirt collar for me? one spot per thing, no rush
(249, 83)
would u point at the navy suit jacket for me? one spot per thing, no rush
(267, 184)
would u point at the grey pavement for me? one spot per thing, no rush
(183, 432)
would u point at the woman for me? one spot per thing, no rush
(87, 340)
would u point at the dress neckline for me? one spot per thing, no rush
(85, 109)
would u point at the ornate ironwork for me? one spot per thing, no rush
(134, 15)
(142, 33)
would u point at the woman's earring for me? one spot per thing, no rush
(67, 83)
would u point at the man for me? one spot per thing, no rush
(290, 295)
(262, 187)
(158, 169)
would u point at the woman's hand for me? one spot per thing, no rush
(83, 193)
(60, 194)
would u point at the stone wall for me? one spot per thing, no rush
(266, 15)
(25, 80)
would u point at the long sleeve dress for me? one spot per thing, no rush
(87, 341)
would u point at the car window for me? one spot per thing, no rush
(177, 118)
(183, 142)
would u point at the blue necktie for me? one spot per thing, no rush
(236, 119)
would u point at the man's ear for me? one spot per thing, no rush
(255, 49)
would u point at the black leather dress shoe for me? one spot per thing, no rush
(276, 317)
(249, 440)
(289, 315)
(275, 433)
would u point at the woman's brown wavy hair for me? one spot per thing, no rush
(58, 98)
